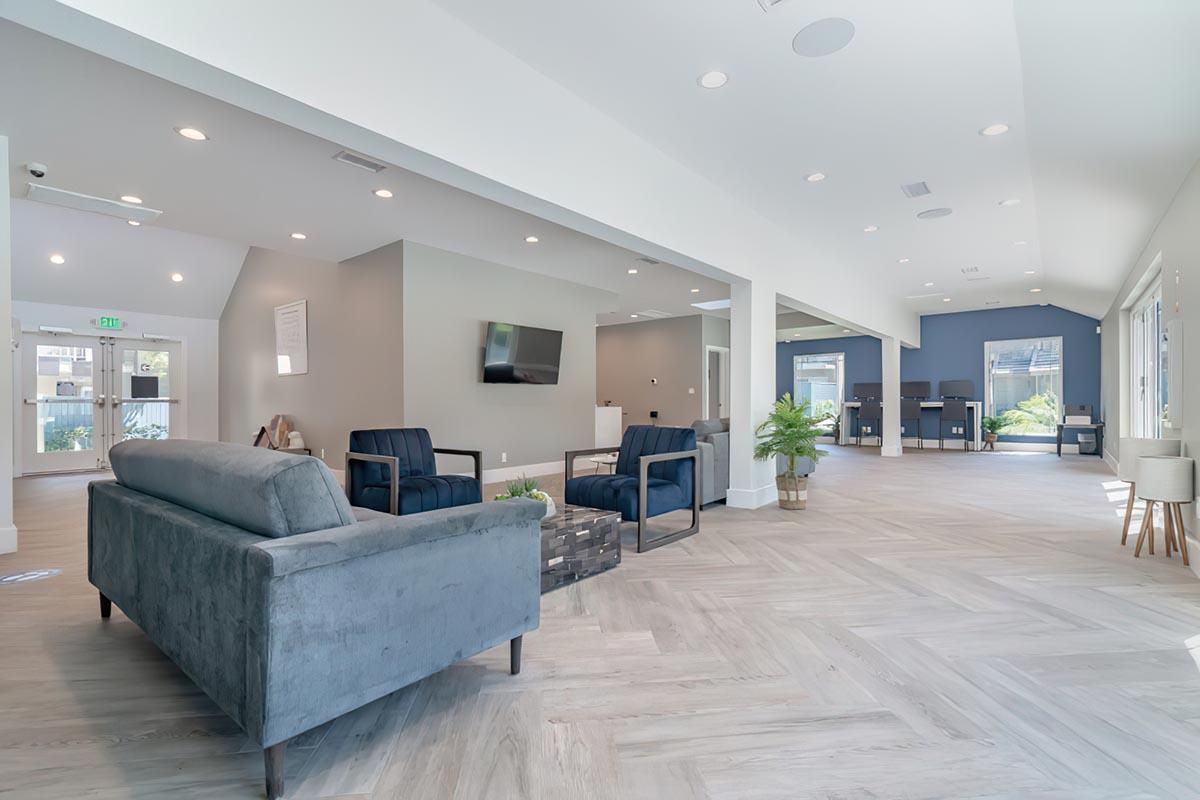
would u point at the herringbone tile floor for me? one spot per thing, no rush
(943, 625)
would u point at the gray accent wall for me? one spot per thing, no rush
(1177, 241)
(450, 298)
(355, 346)
(656, 365)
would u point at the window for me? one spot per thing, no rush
(1024, 385)
(818, 379)
(1148, 364)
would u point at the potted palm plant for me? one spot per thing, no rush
(790, 432)
(991, 429)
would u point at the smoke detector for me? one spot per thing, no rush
(767, 5)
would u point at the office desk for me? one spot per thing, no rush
(1098, 427)
(974, 409)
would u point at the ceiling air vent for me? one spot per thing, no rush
(992, 303)
(767, 5)
(85, 202)
(648, 260)
(979, 278)
(969, 270)
(360, 161)
(918, 189)
(652, 313)
(934, 213)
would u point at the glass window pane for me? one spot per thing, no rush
(145, 373)
(1025, 385)
(818, 380)
(64, 374)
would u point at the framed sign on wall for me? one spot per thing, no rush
(291, 338)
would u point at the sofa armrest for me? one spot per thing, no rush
(352, 614)
(381, 533)
(571, 455)
(476, 456)
(393, 465)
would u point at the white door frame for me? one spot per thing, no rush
(1144, 357)
(723, 387)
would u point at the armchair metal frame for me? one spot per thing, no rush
(393, 465)
(644, 463)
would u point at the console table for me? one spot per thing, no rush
(577, 543)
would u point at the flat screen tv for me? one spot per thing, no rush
(520, 354)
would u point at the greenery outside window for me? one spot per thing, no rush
(818, 380)
(1024, 385)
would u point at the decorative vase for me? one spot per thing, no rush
(793, 491)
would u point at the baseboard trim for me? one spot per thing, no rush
(752, 498)
(498, 474)
(1111, 460)
(8, 540)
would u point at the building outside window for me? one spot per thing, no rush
(1148, 364)
(1024, 385)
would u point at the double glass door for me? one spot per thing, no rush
(1148, 365)
(82, 395)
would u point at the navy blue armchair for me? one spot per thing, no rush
(394, 470)
(652, 477)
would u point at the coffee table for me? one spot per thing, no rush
(577, 543)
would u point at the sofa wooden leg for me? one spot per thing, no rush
(105, 607)
(273, 762)
(514, 656)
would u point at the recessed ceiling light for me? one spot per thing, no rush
(195, 134)
(823, 37)
(531, 239)
(386, 194)
(928, 284)
(1020, 243)
(903, 261)
(632, 271)
(695, 291)
(994, 130)
(1035, 290)
(845, 330)
(175, 276)
(713, 80)
(132, 222)
(816, 177)
(945, 299)
(131, 198)
(299, 235)
(1031, 272)
(870, 229)
(633, 316)
(1010, 201)
(57, 258)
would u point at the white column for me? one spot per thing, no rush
(8, 531)
(891, 397)
(751, 392)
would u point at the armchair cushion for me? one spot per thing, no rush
(412, 447)
(620, 493)
(422, 493)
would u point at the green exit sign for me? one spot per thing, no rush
(110, 323)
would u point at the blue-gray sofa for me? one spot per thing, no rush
(288, 607)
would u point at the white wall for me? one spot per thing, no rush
(198, 394)
(448, 301)
(1175, 249)
(8, 533)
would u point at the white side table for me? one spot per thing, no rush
(605, 460)
(1166, 480)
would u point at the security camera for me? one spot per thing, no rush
(36, 170)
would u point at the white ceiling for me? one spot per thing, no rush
(1100, 97)
(106, 129)
(112, 265)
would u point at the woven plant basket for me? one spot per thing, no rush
(793, 491)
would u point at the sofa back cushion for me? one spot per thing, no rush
(645, 440)
(259, 490)
(412, 447)
(705, 427)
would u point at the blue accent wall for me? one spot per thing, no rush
(952, 349)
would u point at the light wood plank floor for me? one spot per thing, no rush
(936, 626)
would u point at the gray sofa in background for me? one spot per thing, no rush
(250, 570)
(712, 439)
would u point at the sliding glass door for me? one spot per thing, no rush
(818, 379)
(1148, 365)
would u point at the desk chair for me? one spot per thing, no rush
(870, 411)
(910, 409)
(953, 410)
